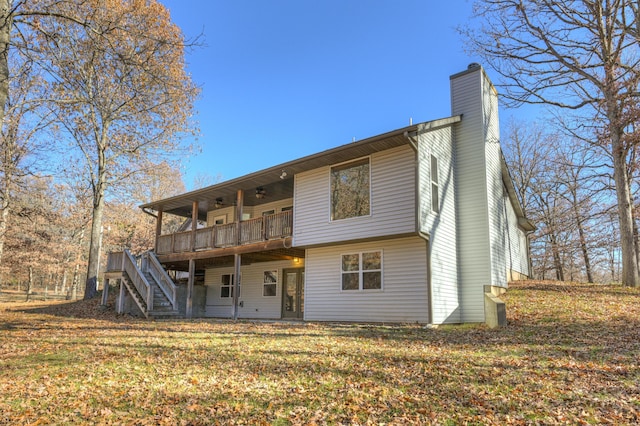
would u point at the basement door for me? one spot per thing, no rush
(293, 293)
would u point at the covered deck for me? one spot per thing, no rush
(248, 219)
(262, 229)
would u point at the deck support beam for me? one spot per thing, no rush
(281, 244)
(120, 304)
(237, 257)
(105, 291)
(194, 224)
(190, 283)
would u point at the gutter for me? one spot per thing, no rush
(144, 209)
(414, 145)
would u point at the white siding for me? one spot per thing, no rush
(496, 193)
(440, 226)
(228, 213)
(471, 191)
(392, 202)
(255, 304)
(404, 294)
(517, 260)
(253, 211)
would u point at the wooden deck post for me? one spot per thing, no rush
(192, 278)
(158, 228)
(194, 224)
(237, 258)
(239, 206)
(120, 304)
(105, 291)
(264, 227)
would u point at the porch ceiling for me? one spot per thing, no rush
(270, 179)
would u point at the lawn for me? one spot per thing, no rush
(570, 355)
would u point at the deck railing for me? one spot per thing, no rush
(224, 236)
(164, 281)
(268, 227)
(114, 262)
(137, 278)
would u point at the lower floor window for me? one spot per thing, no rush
(270, 283)
(362, 271)
(226, 287)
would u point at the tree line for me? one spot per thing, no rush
(94, 102)
(566, 189)
(581, 60)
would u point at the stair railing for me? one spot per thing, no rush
(164, 281)
(136, 276)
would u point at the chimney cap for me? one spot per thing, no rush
(473, 65)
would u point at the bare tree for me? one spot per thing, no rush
(121, 94)
(563, 188)
(19, 142)
(579, 55)
(126, 226)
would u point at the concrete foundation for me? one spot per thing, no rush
(495, 311)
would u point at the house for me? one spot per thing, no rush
(420, 224)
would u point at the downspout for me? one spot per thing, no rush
(529, 261)
(414, 145)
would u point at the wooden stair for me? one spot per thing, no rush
(161, 304)
(155, 303)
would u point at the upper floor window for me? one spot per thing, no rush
(435, 200)
(350, 190)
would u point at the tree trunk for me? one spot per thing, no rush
(635, 234)
(612, 263)
(74, 284)
(91, 287)
(6, 22)
(582, 239)
(4, 216)
(64, 282)
(557, 261)
(585, 253)
(30, 283)
(630, 274)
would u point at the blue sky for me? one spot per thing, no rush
(286, 78)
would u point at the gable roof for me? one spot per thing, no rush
(279, 188)
(269, 178)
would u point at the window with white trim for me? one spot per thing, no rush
(435, 199)
(350, 190)
(362, 271)
(226, 286)
(270, 283)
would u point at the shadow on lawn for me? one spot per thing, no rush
(74, 309)
(583, 289)
(582, 340)
(620, 331)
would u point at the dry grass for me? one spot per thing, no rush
(569, 356)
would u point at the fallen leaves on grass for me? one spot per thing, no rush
(569, 356)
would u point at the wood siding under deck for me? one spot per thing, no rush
(275, 226)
